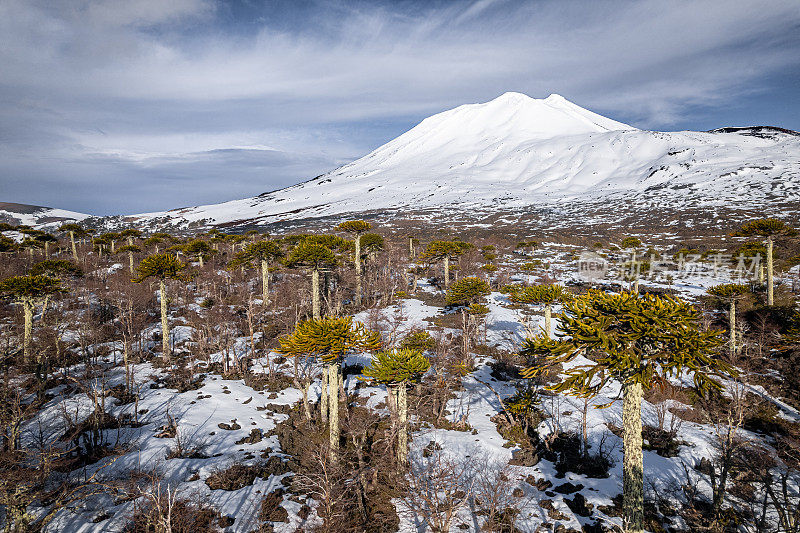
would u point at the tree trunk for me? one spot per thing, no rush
(402, 432)
(411, 247)
(632, 467)
(74, 248)
(164, 323)
(770, 279)
(333, 407)
(27, 308)
(358, 269)
(548, 320)
(315, 293)
(446, 272)
(130, 261)
(732, 321)
(323, 399)
(200, 258)
(264, 282)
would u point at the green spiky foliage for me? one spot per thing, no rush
(467, 291)
(7, 245)
(397, 366)
(5, 226)
(418, 340)
(637, 341)
(354, 226)
(477, 310)
(630, 243)
(260, 253)
(329, 339)
(547, 295)
(56, 268)
(371, 244)
(162, 267)
(30, 291)
(198, 249)
(396, 369)
(769, 228)
(730, 293)
(130, 234)
(445, 251)
(130, 249)
(315, 258)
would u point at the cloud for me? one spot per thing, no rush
(131, 88)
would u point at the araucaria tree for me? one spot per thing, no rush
(467, 291)
(356, 227)
(29, 291)
(330, 339)
(73, 230)
(547, 295)
(162, 267)
(199, 249)
(396, 369)
(730, 293)
(261, 253)
(768, 228)
(637, 341)
(316, 258)
(445, 251)
(129, 249)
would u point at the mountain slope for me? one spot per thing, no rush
(516, 151)
(36, 215)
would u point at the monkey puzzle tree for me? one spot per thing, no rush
(129, 249)
(261, 253)
(637, 341)
(730, 293)
(330, 339)
(768, 228)
(358, 228)
(161, 267)
(198, 249)
(130, 234)
(396, 369)
(46, 239)
(547, 295)
(73, 230)
(29, 291)
(467, 291)
(315, 258)
(56, 268)
(445, 251)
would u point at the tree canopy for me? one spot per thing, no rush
(160, 266)
(329, 338)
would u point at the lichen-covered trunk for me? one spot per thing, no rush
(632, 462)
(130, 262)
(732, 325)
(770, 279)
(402, 416)
(27, 309)
(264, 282)
(446, 272)
(200, 259)
(323, 399)
(74, 248)
(315, 294)
(333, 408)
(358, 270)
(411, 247)
(164, 323)
(548, 320)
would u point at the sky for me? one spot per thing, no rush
(128, 106)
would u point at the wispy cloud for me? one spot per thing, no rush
(136, 89)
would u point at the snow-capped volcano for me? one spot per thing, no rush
(517, 151)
